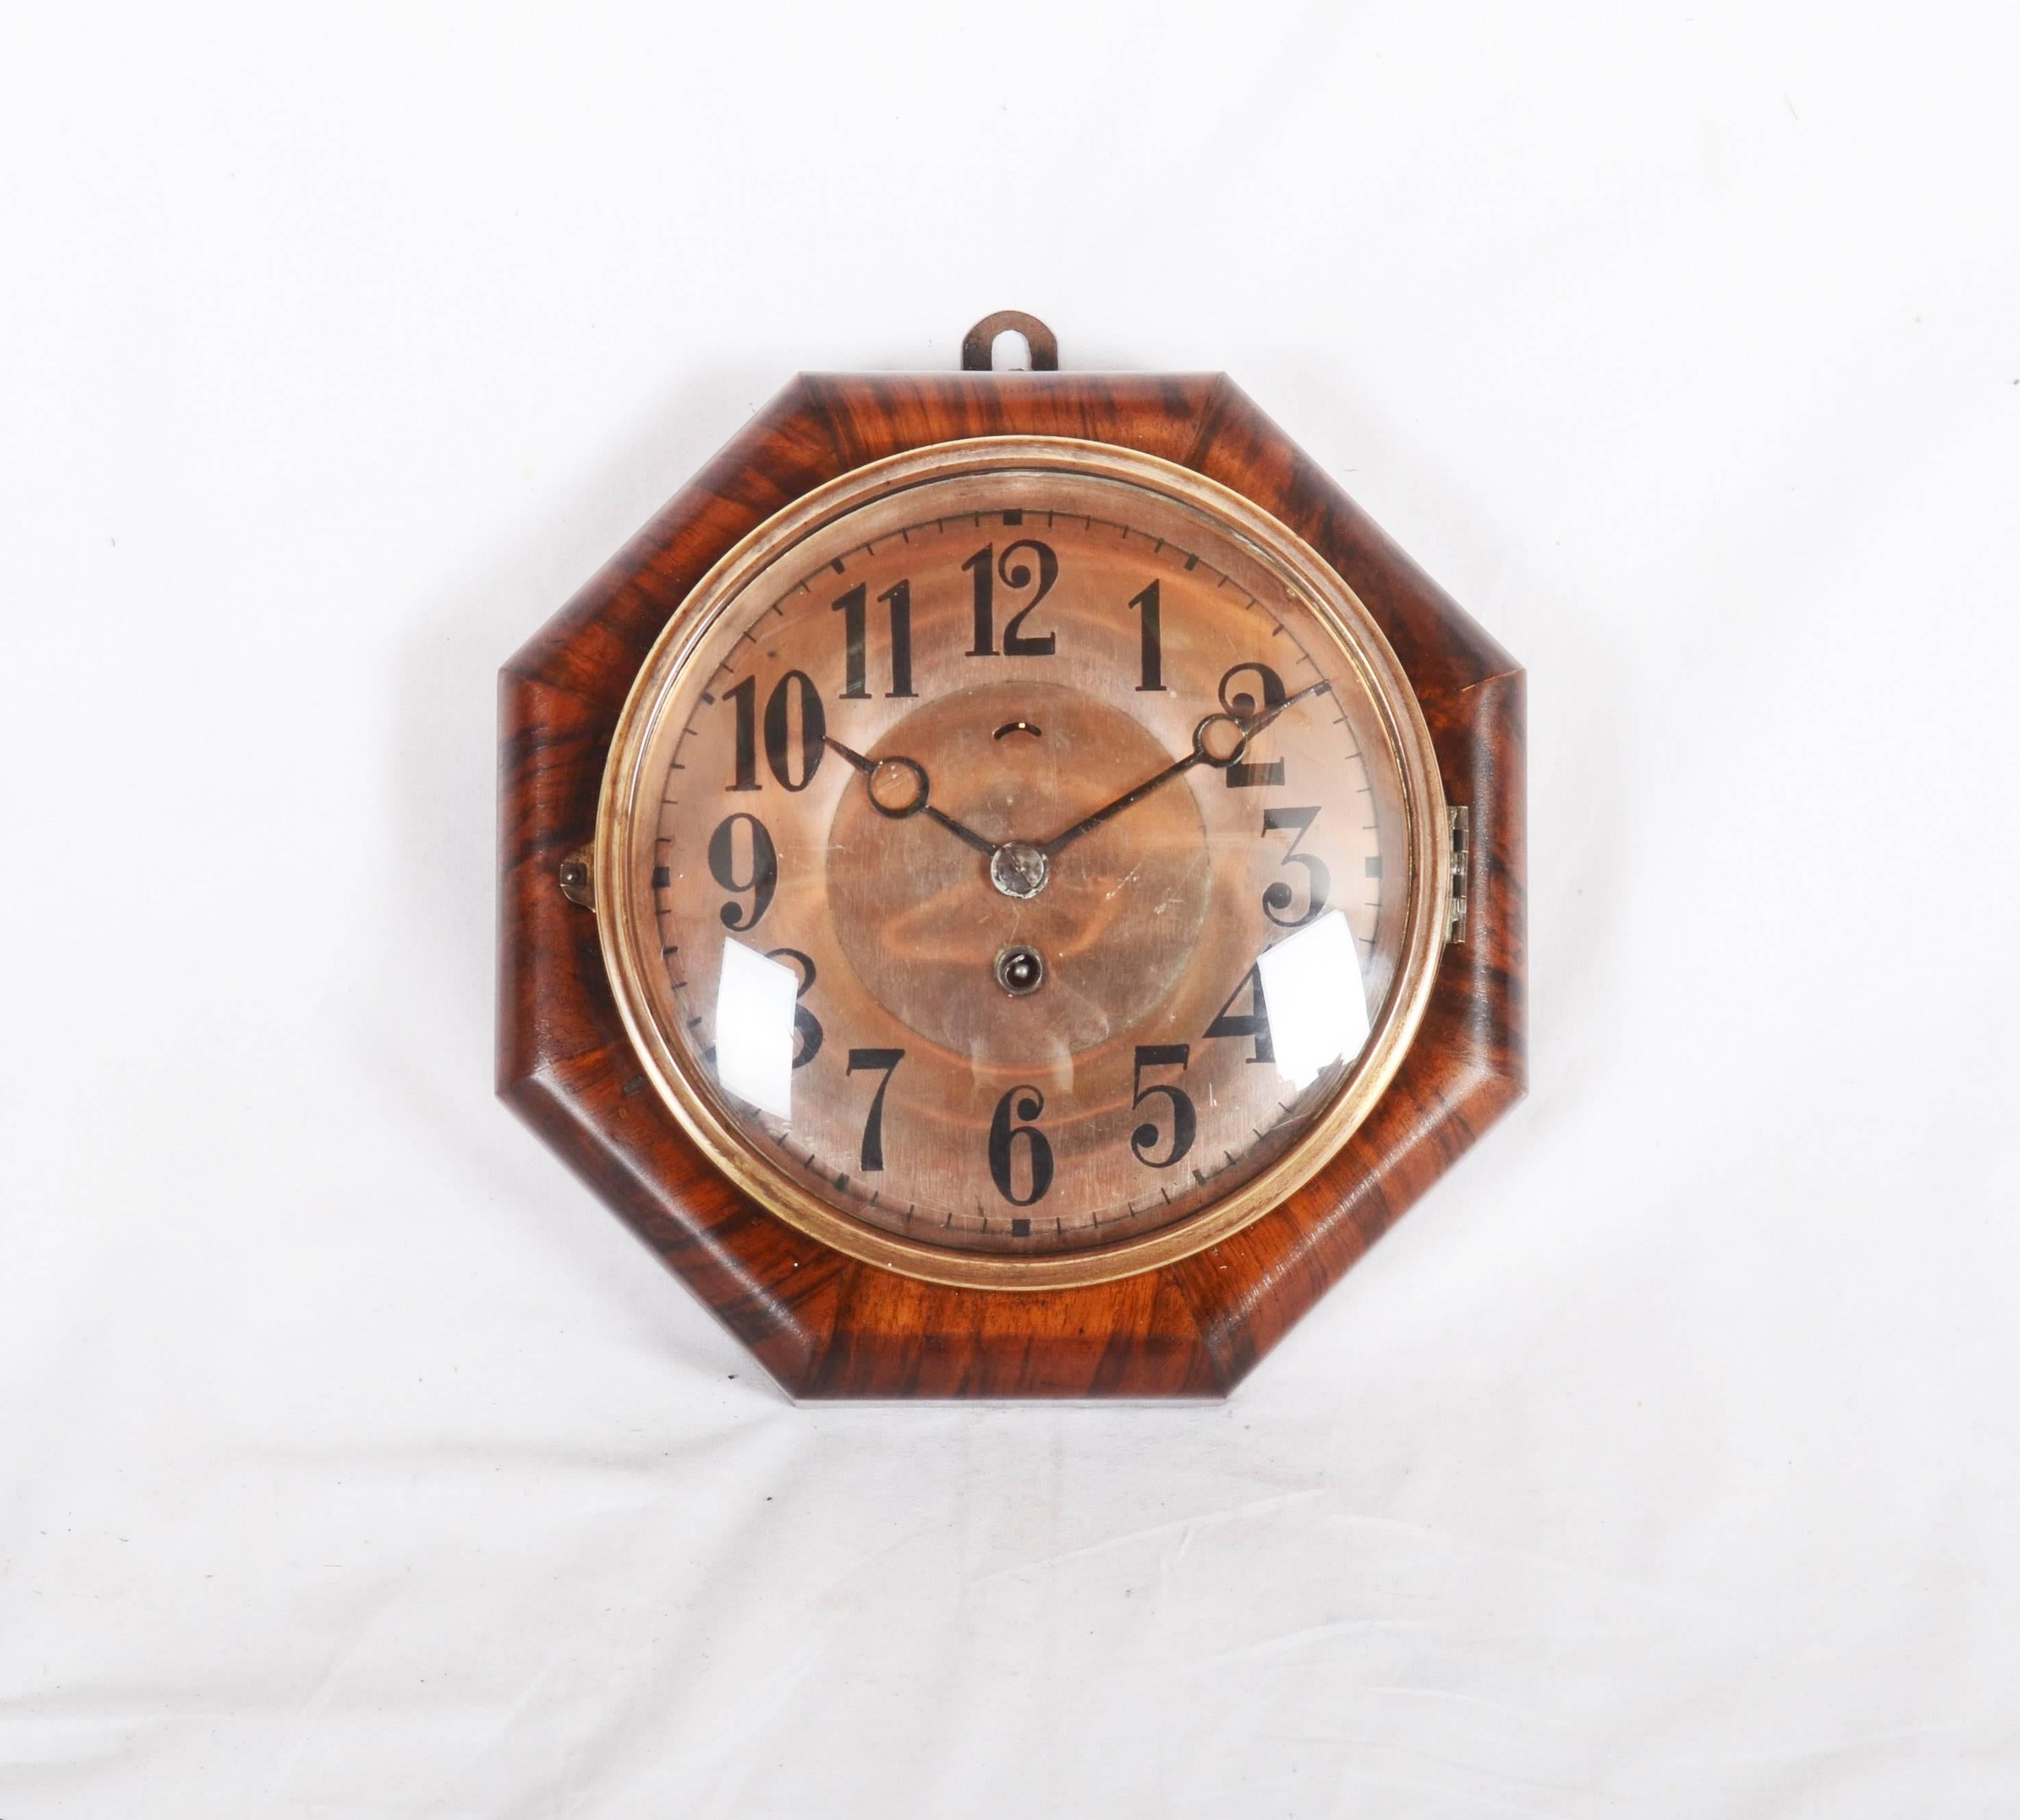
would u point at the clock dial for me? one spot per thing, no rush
(1020, 862)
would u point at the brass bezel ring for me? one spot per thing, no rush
(694, 1102)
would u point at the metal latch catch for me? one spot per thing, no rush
(577, 878)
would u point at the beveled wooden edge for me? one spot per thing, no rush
(825, 1325)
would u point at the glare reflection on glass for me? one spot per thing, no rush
(754, 1028)
(1317, 1005)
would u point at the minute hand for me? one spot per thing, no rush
(1245, 727)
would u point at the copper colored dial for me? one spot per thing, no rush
(1019, 863)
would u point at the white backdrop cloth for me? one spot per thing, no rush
(355, 1464)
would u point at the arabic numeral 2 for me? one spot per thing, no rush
(1240, 702)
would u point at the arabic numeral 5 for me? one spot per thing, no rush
(1185, 1120)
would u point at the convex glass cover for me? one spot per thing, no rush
(1021, 862)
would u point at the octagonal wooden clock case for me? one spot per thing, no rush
(1011, 883)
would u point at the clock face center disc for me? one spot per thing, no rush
(1121, 910)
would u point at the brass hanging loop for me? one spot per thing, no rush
(978, 346)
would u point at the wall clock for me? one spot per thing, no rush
(1011, 883)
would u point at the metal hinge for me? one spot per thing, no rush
(577, 878)
(1459, 826)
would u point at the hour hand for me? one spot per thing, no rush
(898, 788)
(1089, 823)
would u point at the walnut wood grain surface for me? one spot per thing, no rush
(823, 1325)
